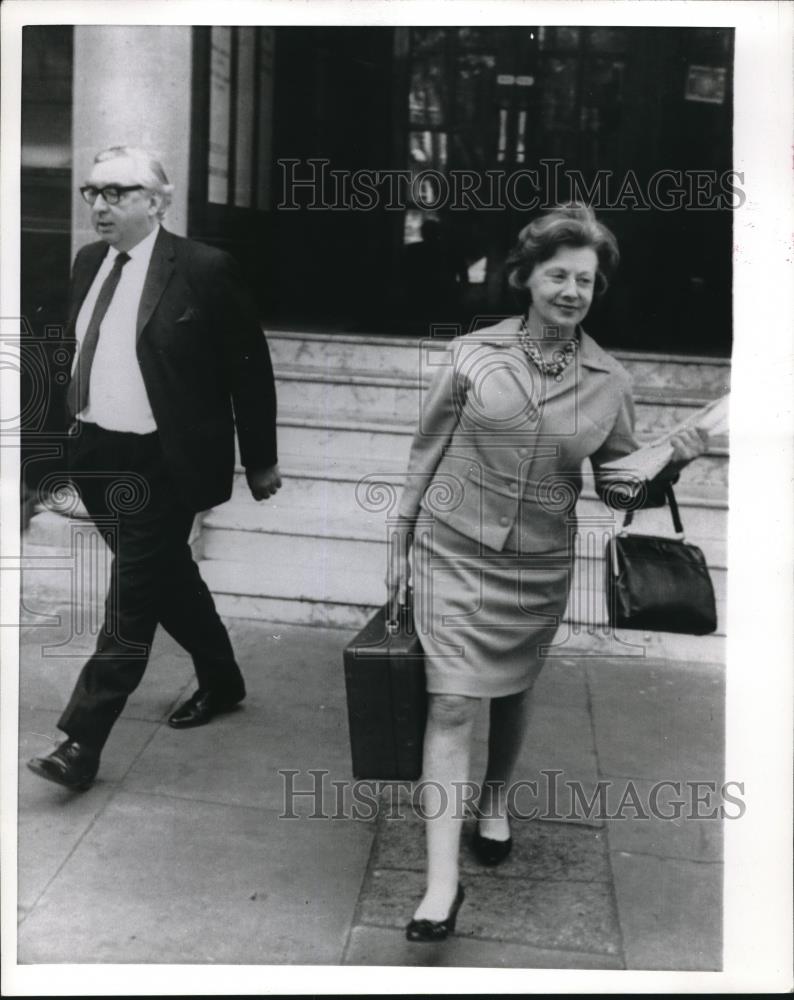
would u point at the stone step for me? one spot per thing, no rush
(277, 565)
(321, 395)
(315, 553)
(49, 593)
(572, 639)
(345, 570)
(344, 352)
(334, 443)
(347, 353)
(391, 466)
(245, 587)
(323, 508)
(586, 614)
(317, 506)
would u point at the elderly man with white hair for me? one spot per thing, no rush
(170, 360)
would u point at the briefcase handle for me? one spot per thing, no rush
(393, 617)
(671, 500)
(398, 537)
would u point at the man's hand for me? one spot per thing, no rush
(263, 483)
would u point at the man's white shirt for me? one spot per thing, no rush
(117, 398)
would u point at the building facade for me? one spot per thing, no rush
(315, 154)
(371, 181)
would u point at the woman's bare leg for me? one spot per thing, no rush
(447, 750)
(509, 718)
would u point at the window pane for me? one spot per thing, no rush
(607, 39)
(220, 108)
(710, 43)
(478, 38)
(244, 136)
(426, 97)
(565, 38)
(265, 139)
(559, 92)
(475, 89)
(47, 96)
(602, 90)
(428, 151)
(412, 225)
(427, 39)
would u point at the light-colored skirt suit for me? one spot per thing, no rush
(493, 477)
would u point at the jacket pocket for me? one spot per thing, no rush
(500, 512)
(189, 315)
(484, 507)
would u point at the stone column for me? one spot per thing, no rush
(132, 87)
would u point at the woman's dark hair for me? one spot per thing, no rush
(568, 226)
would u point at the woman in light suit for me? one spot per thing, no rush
(511, 413)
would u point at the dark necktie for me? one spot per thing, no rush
(77, 394)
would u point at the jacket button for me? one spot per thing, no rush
(513, 488)
(523, 452)
(504, 521)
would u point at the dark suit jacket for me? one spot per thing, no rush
(204, 360)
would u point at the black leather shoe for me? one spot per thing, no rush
(436, 930)
(72, 764)
(201, 708)
(489, 851)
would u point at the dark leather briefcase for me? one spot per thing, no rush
(386, 698)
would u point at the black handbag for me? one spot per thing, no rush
(386, 696)
(657, 583)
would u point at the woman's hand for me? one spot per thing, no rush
(398, 571)
(688, 444)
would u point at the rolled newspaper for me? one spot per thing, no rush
(648, 461)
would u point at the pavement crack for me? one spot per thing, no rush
(611, 881)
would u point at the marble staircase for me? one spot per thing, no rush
(348, 406)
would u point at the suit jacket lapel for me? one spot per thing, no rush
(85, 270)
(161, 267)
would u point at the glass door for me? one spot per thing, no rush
(516, 113)
(493, 103)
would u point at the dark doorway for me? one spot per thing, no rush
(45, 248)
(611, 107)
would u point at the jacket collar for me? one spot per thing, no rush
(85, 269)
(505, 334)
(159, 271)
(161, 266)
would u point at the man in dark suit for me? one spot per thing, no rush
(170, 358)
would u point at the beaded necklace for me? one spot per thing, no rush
(562, 358)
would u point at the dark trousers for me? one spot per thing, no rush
(124, 485)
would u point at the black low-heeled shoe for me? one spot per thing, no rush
(436, 930)
(489, 851)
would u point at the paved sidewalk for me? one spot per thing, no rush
(180, 853)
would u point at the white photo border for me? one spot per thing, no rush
(758, 880)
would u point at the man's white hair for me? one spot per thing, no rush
(149, 169)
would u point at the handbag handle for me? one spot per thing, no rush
(670, 497)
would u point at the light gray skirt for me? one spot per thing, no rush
(483, 616)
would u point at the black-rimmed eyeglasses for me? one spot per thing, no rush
(111, 194)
